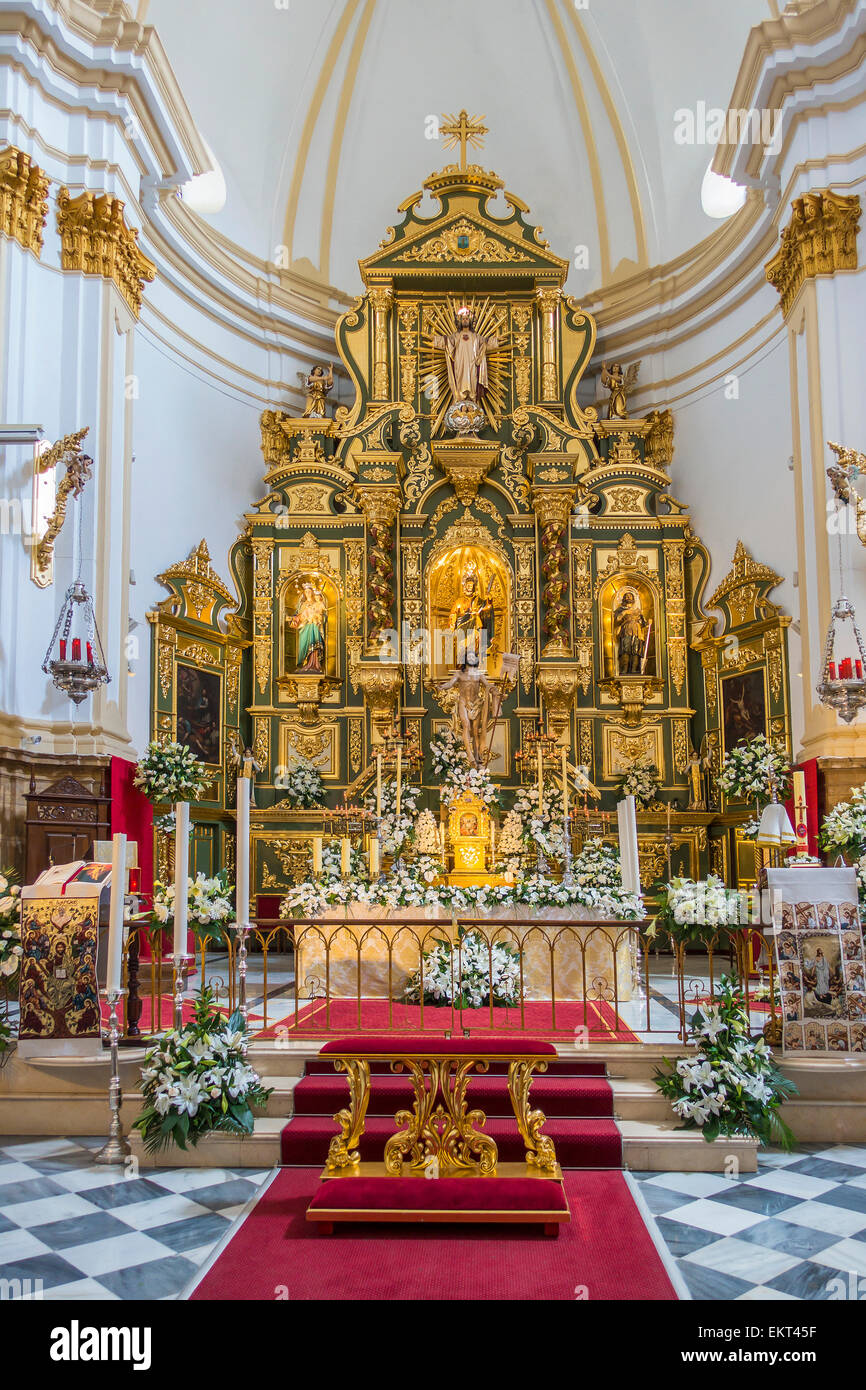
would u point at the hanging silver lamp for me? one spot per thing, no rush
(75, 660)
(843, 684)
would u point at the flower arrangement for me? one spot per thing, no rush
(746, 771)
(542, 827)
(170, 773)
(467, 975)
(395, 831)
(511, 845)
(450, 762)
(426, 834)
(11, 949)
(698, 910)
(197, 1081)
(732, 1085)
(303, 786)
(210, 904)
(844, 827)
(5, 1035)
(332, 862)
(642, 781)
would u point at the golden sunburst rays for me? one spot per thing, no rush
(490, 320)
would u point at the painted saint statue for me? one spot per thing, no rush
(471, 621)
(466, 352)
(311, 624)
(631, 631)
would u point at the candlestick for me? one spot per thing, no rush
(378, 786)
(565, 785)
(115, 914)
(399, 776)
(374, 857)
(492, 844)
(116, 1148)
(540, 780)
(76, 649)
(801, 818)
(181, 875)
(344, 856)
(317, 855)
(242, 851)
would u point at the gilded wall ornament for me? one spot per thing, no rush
(79, 469)
(659, 443)
(23, 199)
(820, 239)
(95, 240)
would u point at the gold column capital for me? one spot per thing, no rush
(380, 504)
(553, 505)
(820, 239)
(96, 240)
(23, 199)
(382, 297)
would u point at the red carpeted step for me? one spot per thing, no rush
(563, 1066)
(580, 1143)
(574, 1097)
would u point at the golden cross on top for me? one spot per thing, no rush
(463, 130)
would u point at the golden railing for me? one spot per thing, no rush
(319, 1005)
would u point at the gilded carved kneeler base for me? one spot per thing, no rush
(342, 1153)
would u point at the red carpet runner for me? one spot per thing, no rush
(605, 1253)
(596, 1020)
(575, 1096)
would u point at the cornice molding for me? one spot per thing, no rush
(23, 199)
(95, 240)
(820, 239)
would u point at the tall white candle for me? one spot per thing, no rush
(344, 856)
(242, 852)
(540, 782)
(492, 843)
(565, 785)
(379, 785)
(399, 776)
(114, 970)
(181, 875)
(374, 857)
(317, 855)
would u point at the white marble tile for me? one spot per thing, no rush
(724, 1220)
(118, 1252)
(20, 1245)
(85, 1179)
(793, 1184)
(756, 1264)
(186, 1179)
(19, 1172)
(692, 1184)
(845, 1153)
(818, 1216)
(40, 1148)
(143, 1216)
(846, 1255)
(82, 1290)
(45, 1209)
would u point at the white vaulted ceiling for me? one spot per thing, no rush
(316, 111)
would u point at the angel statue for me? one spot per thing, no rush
(317, 386)
(842, 475)
(619, 384)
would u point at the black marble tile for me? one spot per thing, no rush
(750, 1198)
(224, 1194)
(787, 1238)
(806, 1280)
(851, 1198)
(29, 1190)
(156, 1279)
(710, 1284)
(123, 1194)
(660, 1199)
(80, 1230)
(6, 1224)
(825, 1168)
(682, 1239)
(50, 1268)
(191, 1233)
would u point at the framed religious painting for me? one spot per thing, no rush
(198, 712)
(744, 707)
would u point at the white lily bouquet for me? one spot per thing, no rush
(303, 786)
(211, 904)
(11, 949)
(748, 768)
(511, 845)
(467, 975)
(170, 773)
(450, 762)
(731, 1085)
(198, 1081)
(844, 828)
(642, 781)
(542, 826)
(700, 910)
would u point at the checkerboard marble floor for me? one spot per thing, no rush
(89, 1232)
(796, 1229)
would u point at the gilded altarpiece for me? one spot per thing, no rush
(466, 465)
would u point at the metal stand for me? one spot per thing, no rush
(242, 931)
(116, 1149)
(181, 965)
(566, 836)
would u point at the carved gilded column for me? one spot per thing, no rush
(548, 306)
(262, 611)
(381, 300)
(95, 240)
(820, 239)
(675, 612)
(381, 507)
(553, 507)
